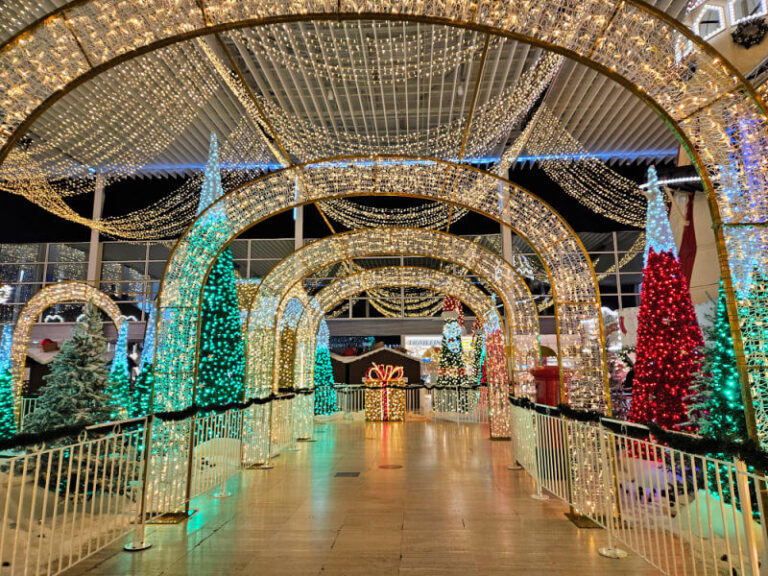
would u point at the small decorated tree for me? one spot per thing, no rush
(7, 414)
(145, 381)
(452, 376)
(119, 379)
(74, 393)
(325, 390)
(718, 406)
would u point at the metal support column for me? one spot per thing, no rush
(94, 248)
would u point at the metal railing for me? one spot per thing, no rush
(684, 513)
(60, 505)
(462, 405)
(28, 405)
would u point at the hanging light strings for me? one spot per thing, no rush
(587, 179)
(353, 215)
(491, 123)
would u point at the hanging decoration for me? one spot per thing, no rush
(569, 164)
(221, 365)
(119, 379)
(430, 215)
(7, 415)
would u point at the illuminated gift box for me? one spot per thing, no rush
(384, 402)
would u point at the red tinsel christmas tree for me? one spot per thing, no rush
(668, 345)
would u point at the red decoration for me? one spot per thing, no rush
(452, 306)
(688, 245)
(669, 340)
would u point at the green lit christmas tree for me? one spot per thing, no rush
(145, 381)
(221, 368)
(325, 390)
(119, 379)
(718, 405)
(74, 393)
(7, 414)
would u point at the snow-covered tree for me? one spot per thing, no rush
(75, 390)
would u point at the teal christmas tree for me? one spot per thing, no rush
(718, 406)
(7, 414)
(145, 381)
(221, 368)
(74, 392)
(478, 356)
(119, 379)
(325, 391)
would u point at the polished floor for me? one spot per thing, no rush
(431, 498)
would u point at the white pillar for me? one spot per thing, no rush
(298, 228)
(94, 249)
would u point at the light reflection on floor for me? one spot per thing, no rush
(453, 508)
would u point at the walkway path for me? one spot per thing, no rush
(452, 509)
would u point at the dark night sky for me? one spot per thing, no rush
(22, 221)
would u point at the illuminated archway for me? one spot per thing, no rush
(284, 282)
(574, 287)
(49, 296)
(434, 280)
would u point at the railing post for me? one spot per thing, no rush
(609, 551)
(222, 492)
(537, 472)
(190, 467)
(267, 465)
(746, 513)
(515, 436)
(139, 542)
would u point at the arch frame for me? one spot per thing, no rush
(239, 201)
(481, 304)
(340, 241)
(50, 295)
(506, 295)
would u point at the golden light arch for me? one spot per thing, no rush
(285, 280)
(710, 106)
(430, 279)
(51, 295)
(571, 276)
